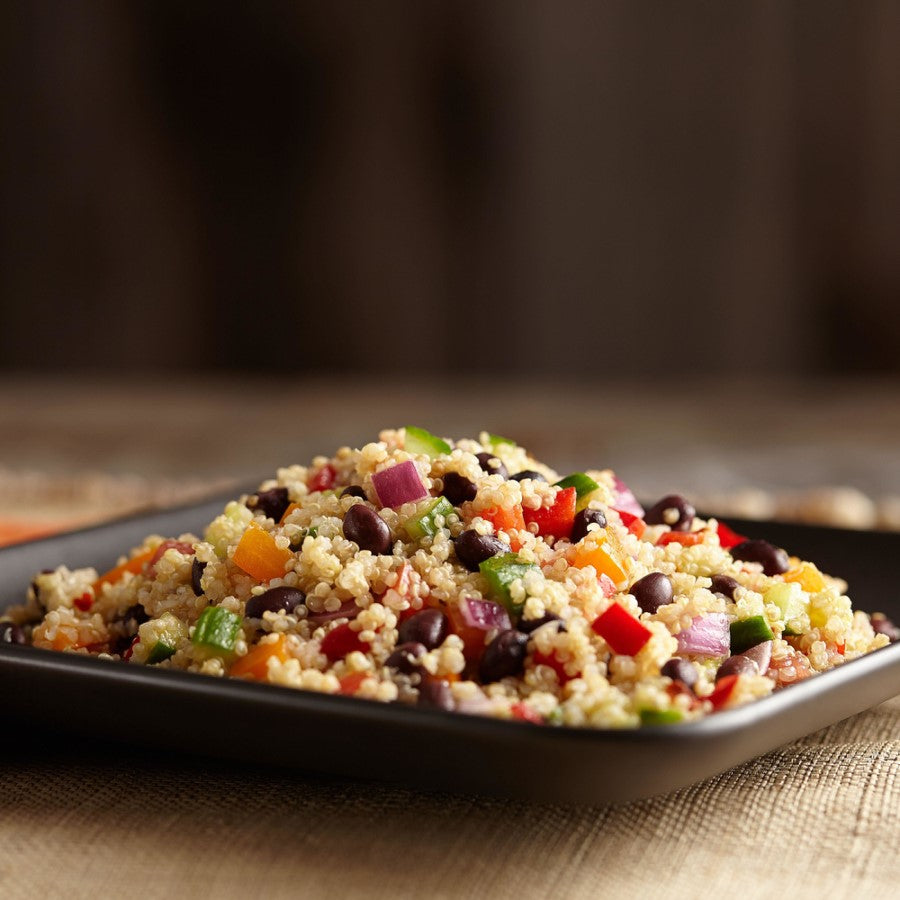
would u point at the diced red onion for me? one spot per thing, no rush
(607, 585)
(623, 498)
(180, 546)
(347, 610)
(484, 614)
(398, 485)
(708, 635)
(761, 654)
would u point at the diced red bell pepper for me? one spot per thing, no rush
(723, 690)
(556, 520)
(341, 641)
(621, 630)
(130, 650)
(635, 524)
(525, 713)
(349, 684)
(551, 659)
(727, 537)
(322, 479)
(685, 538)
(84, 602)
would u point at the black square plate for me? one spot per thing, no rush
(428, 749)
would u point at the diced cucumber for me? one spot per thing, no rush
(159, 652)
(660, 716)
(227, 528)
(424, 523)
(500, 572)
(584, 486)
(418, 440)
(788, 597)
(217, 629)
(747, 633)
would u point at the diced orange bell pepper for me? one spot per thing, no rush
(135, 565)
(508, 519)
(256, 663)
(601, 560)
(291, 507)
(807, 576)
(259, 556)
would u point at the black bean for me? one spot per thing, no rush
(528, 473)
(405, 656)
(881, 624)
(737, 665)
(197, 569)
(680, 670)
(134, 616)
(652, 591)
(458, 489)
(490, 464)
(271, 503)
(473, 548)
(583, 519)
(436, 695)
(725, 585)
(529, 625)
(354, 490)
(503, 656)
(279, 599)
(428, 627)
(367, 529)
(10, 633)
(673, 510)
(773, 559)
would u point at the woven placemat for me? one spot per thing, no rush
(817, 818)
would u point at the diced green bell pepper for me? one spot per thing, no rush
(159, 652)
(217, 629)
(495, 440)
(424, 523)
(660, 716)
(418, 440)
(747, 633)
(500, 572)
(584, 486)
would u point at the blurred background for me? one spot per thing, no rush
(628, 229)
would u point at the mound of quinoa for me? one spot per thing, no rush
(513, 597)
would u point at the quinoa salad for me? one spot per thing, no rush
(463, 575)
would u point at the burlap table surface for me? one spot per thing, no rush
(819, 817)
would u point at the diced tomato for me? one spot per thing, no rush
(723, 690)
(685, 538)
(727, 537)
(84, 602)
(525, 713)
(128, 653)
(556, 520)
(341, 641)
(472, 638)
(508, 519)
(552, 660)
(621, 630)
(350, 683)
(322, 479)
(180, 546)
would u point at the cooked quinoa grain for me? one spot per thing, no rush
(463, 575)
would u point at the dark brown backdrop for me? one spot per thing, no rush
(404, 187)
